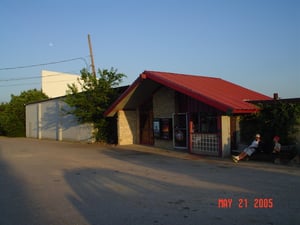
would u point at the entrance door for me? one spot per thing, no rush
(180, 129)
(146, 124)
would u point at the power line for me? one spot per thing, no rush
(27, 78)
(44, 64)
(14, 85)
(34, 77)
(25, 84)
(37, 77)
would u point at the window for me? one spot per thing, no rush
(204, 123)
(208, 124)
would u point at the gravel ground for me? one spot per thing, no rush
(60, 183)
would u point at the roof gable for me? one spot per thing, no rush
(223, 95)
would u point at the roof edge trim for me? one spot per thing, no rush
(110, 112)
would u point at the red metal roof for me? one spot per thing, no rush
(223, 95)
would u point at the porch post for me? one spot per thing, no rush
(190, 138)
(225, 136)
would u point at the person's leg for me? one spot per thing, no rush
(242, 155)
(239, 157)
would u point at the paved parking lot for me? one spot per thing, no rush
(48, 182)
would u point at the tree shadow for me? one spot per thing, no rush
(153, 189)
(56, 123)
(116, 197)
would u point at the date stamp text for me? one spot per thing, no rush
(242, 203)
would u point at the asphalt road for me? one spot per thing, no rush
(48, 182)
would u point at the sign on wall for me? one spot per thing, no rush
(162, 128)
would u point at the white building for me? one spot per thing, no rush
(55, 84)
(48, 119)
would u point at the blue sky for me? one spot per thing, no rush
(253, 43)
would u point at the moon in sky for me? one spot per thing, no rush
(51, 44)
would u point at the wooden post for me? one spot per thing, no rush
(92, 57)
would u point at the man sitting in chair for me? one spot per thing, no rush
(249, 150)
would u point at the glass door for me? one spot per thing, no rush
(180, 130)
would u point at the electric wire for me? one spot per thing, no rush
(37, 77)
(45, 64)
(14, 85)
(40, 76)
(33, 83)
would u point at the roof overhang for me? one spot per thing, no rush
(134, 95)
(147, 83)
(249, 108)
(274, 101)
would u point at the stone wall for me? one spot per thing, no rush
(163, 107)
(127, 127)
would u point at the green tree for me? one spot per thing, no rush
(3, 118)
(276, 118)
(12, 119)
(89, 102)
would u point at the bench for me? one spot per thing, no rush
(287, 153)
(261, 154)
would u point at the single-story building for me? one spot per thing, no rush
(198, 114)
(48, 119)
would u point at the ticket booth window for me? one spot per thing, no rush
(162, 128)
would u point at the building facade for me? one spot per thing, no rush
(55, 84)
(48, 120)
(176, 111)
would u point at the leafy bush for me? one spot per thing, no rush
(95, 95)
(275, 118)
(12, 117)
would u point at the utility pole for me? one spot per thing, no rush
(92, 57)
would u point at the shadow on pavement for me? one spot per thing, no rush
(15, 206)
(114, 197)
(154, 189)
